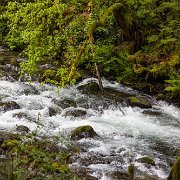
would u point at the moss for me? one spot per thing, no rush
(83, 132)
(140, 102)
(131, 171)
(60, 168)
(175, 171)
(9, 144)
(147, 160)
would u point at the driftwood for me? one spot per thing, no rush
(99, 79)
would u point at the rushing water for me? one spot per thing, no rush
(125, 133)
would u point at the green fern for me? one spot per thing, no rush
(174, 87)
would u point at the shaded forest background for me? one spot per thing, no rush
(132, 41)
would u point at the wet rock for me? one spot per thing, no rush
(74, 112)
(89, 88)
(65, 103)
(147, 160)
(160, 96)
(29, 89)
(53, 111)
(115, 95)
(117, 175)
(152, 112)
(83, 132)
(20, 115)
(22, 129)
(139, 102)
(109, 93)
(148, 177)
(175, 171)
(93, 88)
(7, 106)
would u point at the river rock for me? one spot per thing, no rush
(7, 106)
(139, 102)
(147, 177)
(21, 115)
(109, 93)
(29, 89)
(89, 88)
(75, 112)
(160, 96)
(117, 175)
(65, 103)
(53, 111)
(175, 171)
(147, 160)
(83, 132)
(22, 129)
(152, 112)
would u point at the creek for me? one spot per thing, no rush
(125, 133)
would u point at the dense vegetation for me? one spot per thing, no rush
(28, 156)
(132, 41)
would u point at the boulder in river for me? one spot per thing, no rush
(109, 93)
(89, 88)
(147, 160)
(75, 112)
(139, 102)
(7, 106)
(53, 111)
(175, 171)
(65, 103)
(83, 132)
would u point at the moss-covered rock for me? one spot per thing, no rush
(139, 102)
(7, 106)
(8, 144)
(175, 171)
(83, 132)
(131, 171)
(147, 160)
(177, 152)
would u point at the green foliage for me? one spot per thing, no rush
(125, 38)
(174, 86)
(29, 158)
